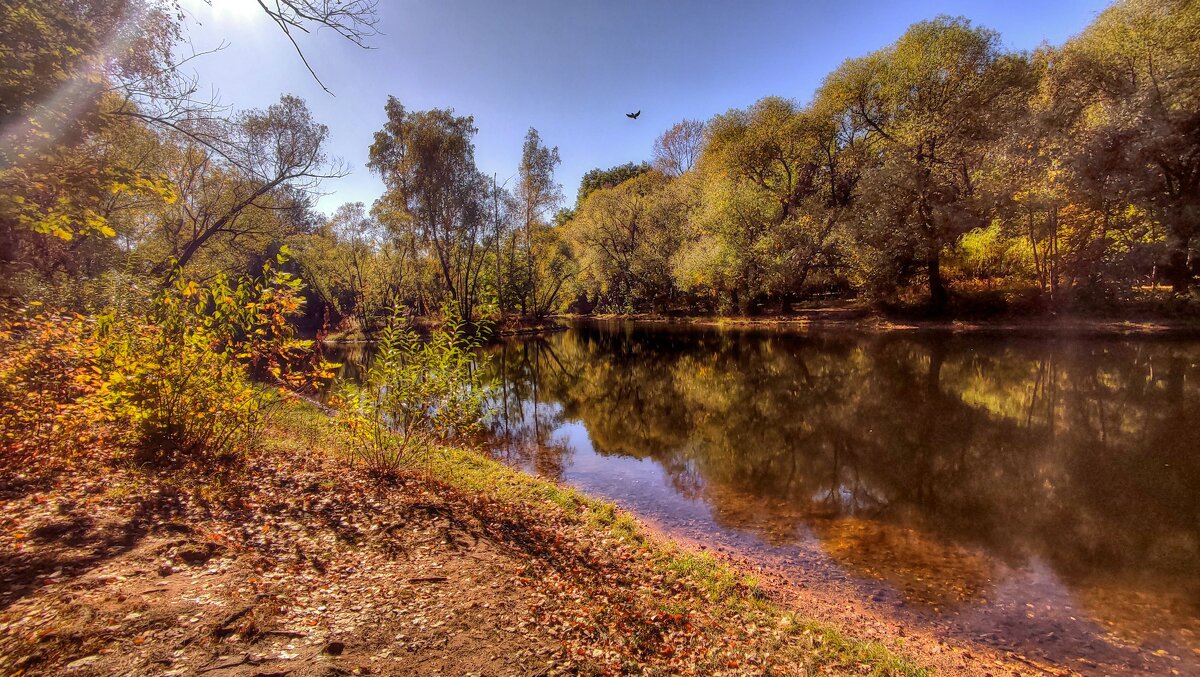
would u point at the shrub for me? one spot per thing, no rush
(414, 394)
(179, 380)
(47, 374)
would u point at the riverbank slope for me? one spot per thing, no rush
(294, 562)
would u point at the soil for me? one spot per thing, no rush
(303, 566)
(296, 578)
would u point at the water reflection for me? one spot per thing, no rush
(981, 476)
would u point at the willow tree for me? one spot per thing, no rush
(777, 179)
(1129, 87)
(436, 193)
(932, 103)
(623, 238)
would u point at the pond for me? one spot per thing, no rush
(1040, 495)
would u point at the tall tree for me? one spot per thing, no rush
(538, 195)
(1129, 87)
(59, 168)
(273, 160)
(932, 102)
(77, 76)
(427, 162)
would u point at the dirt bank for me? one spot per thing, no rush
(295, 563)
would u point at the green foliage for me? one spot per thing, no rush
(354, 266)
(775, 184)
(1071, 172)
(66, 170)
(56, 173)
(436, 196)
(623, 238)
(539, 262)
(416, 393)
(177, 377)
(178, 381)
(987, 253)
(932, 104)
(596, 179)
(1127, 92)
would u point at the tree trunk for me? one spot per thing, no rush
(1178, 271)
(937, 287)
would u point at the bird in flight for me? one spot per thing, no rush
(633, 116)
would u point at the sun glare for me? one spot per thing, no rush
(237, 11)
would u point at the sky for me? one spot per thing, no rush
(571, 68)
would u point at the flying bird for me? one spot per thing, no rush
(633, 116)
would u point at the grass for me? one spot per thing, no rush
(720, 583)
(302, 428)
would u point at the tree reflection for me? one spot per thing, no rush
(909, 455)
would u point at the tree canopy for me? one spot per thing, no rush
(941, 172)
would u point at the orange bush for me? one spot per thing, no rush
(48, 374)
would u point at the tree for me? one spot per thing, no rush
(537, 196)
(79, 78)
(348, 263)
(502, 236)
(434, 191)
(777, 180)
(354, 20)
(59, 169)
(932, 103)
(623, 238)
(273, 160)
(554, 266)
(678, 149)
(607, 178)
(161, 92)
(1128, 88)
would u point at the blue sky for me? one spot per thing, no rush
(572, 69)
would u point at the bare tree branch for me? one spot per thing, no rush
(354, 20)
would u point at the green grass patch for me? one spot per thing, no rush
(720, 583)
(826, 644)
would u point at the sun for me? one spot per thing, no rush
(223, 10)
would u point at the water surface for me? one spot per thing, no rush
(1041, 495)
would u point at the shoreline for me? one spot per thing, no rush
(488, 558)
(869, 322)
(298, 562)
(360, 338)
(864, 322)
(951, 640)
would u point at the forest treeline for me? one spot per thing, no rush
(942, 172)
(941, 164)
